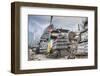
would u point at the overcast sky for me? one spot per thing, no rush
(37, 24)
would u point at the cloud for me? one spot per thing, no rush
(67, 22)
(36, 26)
